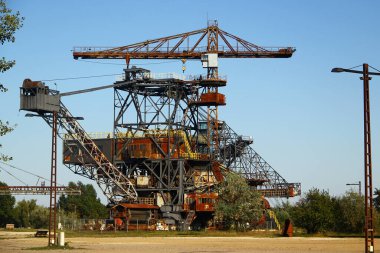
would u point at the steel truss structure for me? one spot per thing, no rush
(160, 135)
(168, 150)
(189, 45)
(206, 44)
(237, 154)
(37, 190)
(111, 181)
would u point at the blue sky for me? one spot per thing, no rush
(306, 122)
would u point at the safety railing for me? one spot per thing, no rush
(173, 75)
(273, 216)
(105, 135)
(204, 77)
(189, 154)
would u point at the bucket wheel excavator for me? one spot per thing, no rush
(168, 149)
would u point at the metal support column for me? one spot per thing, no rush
(181, 168)
(53, 184)
(368, 227)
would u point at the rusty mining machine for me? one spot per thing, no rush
(168, 149)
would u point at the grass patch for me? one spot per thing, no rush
(330, 234)
(72, 234)
(53, 247)
(19, 230)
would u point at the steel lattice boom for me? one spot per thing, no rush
(238, 155)
(190, 45)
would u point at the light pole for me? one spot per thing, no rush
(360, 186)
(52, 237)
(368, 225)
(53, 178)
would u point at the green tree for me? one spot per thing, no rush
(39, 217)
(86, 205)
(23, 212)
(28, 214)
(7, 203)
(10, 22)
(314, 212)
(237, 204)
(376, 200)
(349, 213)
(283, 212)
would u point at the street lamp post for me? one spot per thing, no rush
(52, 237)
(53, 183)
(368, 225)
(360, 186)
(53, 178)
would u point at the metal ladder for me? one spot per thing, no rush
(114, 184)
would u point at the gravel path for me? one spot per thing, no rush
(12, 243)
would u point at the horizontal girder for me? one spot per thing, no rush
(37, 190)
(88, 53)
(190, 45)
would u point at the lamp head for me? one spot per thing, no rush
(337, 70)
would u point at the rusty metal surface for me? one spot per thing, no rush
(368, 196)
(174, 142)
(368, 226)
(190, 45)
(38, 99)
(53, 183)
(37, 190)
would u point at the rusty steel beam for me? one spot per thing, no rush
(269, 53)
(368, 225)
(278, 193)
(159, 48)
(37, 190)
(368, 193)
(53, 184)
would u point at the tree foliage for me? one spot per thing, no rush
(10, 22)
(319, 212)
(28, 214)
(283, 212)
(5, 128)
(39, 217)
(23, 212)
(237, 204)
(376, 199)
(349, 213)
(86, 205)
(7, 203)
(314, 212)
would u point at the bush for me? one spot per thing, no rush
(349, 213)
(237, 204)
(314, 212)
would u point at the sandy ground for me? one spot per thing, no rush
(19, 242)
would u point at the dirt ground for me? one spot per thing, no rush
(21, 242)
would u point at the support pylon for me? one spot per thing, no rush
(368, 226)
(53, 184)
